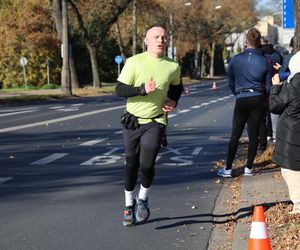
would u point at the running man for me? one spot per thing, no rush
(151, 83)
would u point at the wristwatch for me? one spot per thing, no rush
(143, 90)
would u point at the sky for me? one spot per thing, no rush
(267, 4)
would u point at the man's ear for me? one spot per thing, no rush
(145, 42)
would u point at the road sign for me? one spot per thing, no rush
(118, 59)
(288, 14)
(23, 61)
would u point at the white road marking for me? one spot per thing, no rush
(119, 132)
(218, 138)
(196, 107)
(14, 110)
(56, 107)
(112, 151)
(68, 109)
(66, 118)
(19, 112)
(197, 150)
(184, 111)
(77, 104)
(93, 142)
(171, 115)
(49, 159)
(5, 179)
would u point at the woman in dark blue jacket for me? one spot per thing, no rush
(285, 101)
(249, 80)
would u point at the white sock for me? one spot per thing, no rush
(129, 198)
(143, 194)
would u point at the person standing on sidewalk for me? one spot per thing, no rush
(250, 80)
(268, 124)
(151, 83)
(285, 101)
(283, 72)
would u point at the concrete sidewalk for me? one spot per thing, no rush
(266, 188)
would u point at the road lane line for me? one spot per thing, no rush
(49, 159)
(197, 150)
(184, 111)
(5, 179)
(93, 142)
(19, 112)
(56, 107)
(68, 109)
(59, 119)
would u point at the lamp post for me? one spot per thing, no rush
(172, 48)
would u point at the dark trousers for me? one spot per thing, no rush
(263, 130)
(248, 111)
(141, 148)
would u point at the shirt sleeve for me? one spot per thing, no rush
(127, 74)
(177, 79)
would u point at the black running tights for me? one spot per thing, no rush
(248, 111)
(141, 148)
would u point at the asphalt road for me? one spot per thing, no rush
(61, 177)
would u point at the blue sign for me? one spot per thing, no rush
(118, 59)
(288, 14)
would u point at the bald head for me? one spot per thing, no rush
(156, 41)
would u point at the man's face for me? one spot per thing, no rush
(156, 41)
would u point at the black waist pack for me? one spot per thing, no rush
(130, 121)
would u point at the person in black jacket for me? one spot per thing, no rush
(270, 119)
(285, 101)
(249, 77)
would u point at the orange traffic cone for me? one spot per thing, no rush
(259, 239)
(214, 85)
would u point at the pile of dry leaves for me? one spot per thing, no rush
(283, 228)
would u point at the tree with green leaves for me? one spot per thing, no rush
(95, 19)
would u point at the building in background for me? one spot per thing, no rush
(236, 41)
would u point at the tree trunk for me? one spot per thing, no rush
(57, 15)
(202, 72)
(94, 63)
(120, 41)
(196, 62)
(297, 24)
(65, 81)
(134, 31)
(212, 60)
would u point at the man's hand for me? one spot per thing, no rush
(150, 86)
(276, 80)
(169, 105)
(277, 66)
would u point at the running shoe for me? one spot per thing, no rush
(248, 171)
(128, 216)
(142, 212)
(224, 172)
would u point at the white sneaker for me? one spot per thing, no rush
(224, 172)
(248, 172)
